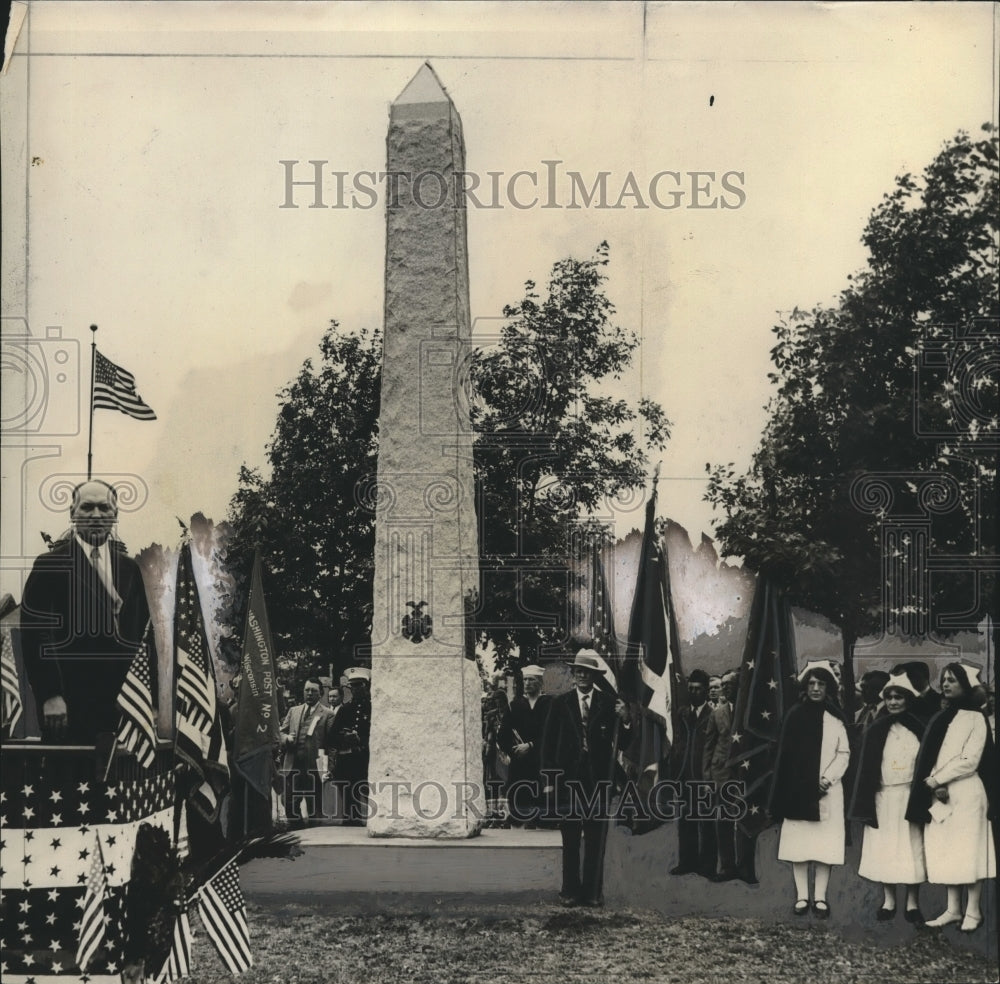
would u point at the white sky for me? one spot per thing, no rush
(152, 207)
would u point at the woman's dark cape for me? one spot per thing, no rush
(869, 778)
(918, 807)
(795, 786)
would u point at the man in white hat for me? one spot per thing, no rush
(577, 743)
(521, 738)
(352, 730)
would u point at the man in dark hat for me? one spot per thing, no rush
(871, 702)
(928, 701)
(83, 617)
(577, 743)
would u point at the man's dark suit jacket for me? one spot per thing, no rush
(562, 745)
(72, 646)
(688, 754)
(528, 722)
(717, 744)
(927, 704)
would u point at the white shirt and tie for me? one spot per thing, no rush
(100, 557)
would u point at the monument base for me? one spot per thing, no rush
(426, 769)
(344, 861)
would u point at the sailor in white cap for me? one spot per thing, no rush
(520, 738)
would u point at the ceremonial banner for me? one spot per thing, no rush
(650, 671)
(767, 688)
(257, 708)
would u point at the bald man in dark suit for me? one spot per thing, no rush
(84, 614)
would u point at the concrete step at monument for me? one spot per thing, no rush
(345, 861)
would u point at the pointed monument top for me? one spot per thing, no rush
(424, 87)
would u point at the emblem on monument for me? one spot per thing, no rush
(417, 624)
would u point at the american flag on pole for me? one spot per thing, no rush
(9, 683)
(114, 389)
(94, 920)
(224, 916)
(198, 731)
(602, 619)
(178, 962)
(137, 731)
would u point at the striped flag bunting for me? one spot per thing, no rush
(94, 920)
(198, 731)
(137, 731)
(224, 916)
(114, 389)
(48, 823)
(9, 683)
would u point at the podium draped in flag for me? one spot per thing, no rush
(54, 812)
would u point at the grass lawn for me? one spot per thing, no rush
(540, 942)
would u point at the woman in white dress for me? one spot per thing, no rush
(806, 792)
(954, 784)
(893, 849)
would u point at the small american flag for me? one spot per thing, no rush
(224, 916)
(137, 731)
(198, 738)
(178, 963)
(8, 681)
(114, 389)
(95, 919)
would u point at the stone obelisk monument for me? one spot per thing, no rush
(426, 762)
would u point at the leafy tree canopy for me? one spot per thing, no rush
(552, 445)
(894, 385)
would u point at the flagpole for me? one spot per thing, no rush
(93, 368)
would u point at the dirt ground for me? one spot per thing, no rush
(540, 942)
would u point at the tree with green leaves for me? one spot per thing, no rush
(309, 517)
(551, 445)
(886, 403)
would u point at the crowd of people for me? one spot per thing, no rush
(924, 787)
(323, 773)
(916, 767)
